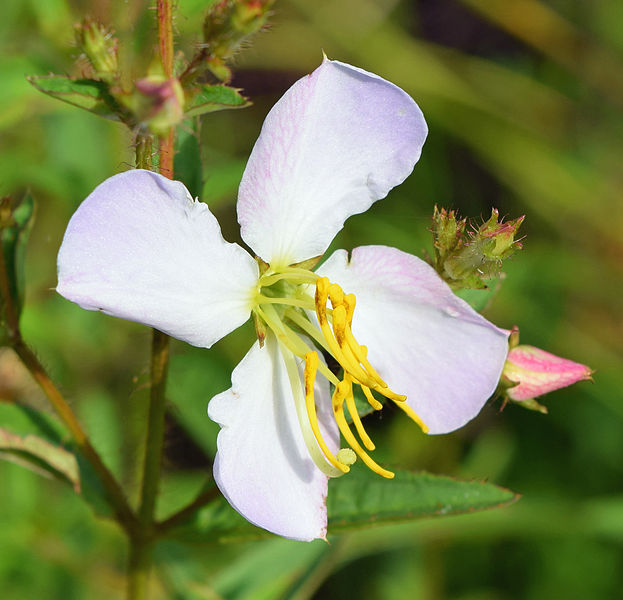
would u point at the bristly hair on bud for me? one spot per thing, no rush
(468, 260)
(227, 27)
(100, 48)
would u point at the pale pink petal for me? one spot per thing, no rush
(538, 372)
(424, 341)
(263, 466)
(337, 141)
(140, 248)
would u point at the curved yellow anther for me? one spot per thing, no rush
(336, 295)
(351, 364)
(413, 415)
(372, 401)
(338, 399)
(311, 367)
(349, 302)
(354, 415)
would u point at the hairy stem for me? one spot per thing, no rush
(114, 493)
(141, 544)
(155, 431)
(188, 511)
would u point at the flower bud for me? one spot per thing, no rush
(501, 236)
(158, 103)
(469, 260)
(100, 48)
(530, 372)
(227, 25)
(447, 231)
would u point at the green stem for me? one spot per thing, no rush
(188, 511)
(141, 544)
(114, 493)
(139, 566)
(155, 428)
(10, 312)
(144, 152)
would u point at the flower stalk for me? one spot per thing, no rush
(141, 544)
(114, 494)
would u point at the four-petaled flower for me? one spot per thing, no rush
(140, 248)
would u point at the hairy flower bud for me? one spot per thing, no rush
(469, 260)
(158, 103)
(227, 25)
(100, 47)
(447, 231)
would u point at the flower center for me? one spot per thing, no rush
(284, 305)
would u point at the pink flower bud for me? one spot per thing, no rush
(536, 372)
(159, 103)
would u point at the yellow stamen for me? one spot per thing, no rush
(298, 396)
(311, 367)
(338, 398)
(398, 398)
(354, 415)
(374, 403)
(322, 286)
(336, 337)
(413, 415)
(349, 362)
(360, 352)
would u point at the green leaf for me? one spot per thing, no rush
(211, 98)
(44, 449)
(188, 167)
(361, 499)
(40, 456)
(89, 94)
(479, 300)
(13, 237)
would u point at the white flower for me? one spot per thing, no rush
(140, 248)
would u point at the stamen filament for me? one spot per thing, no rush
(299, 276)
(338, 411)
(301, 302)
(297, 318)
(290, 339)
(354, 415)
(311, 366)
(301, 412)
(270, 317)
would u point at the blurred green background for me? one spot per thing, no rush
(524, 101)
